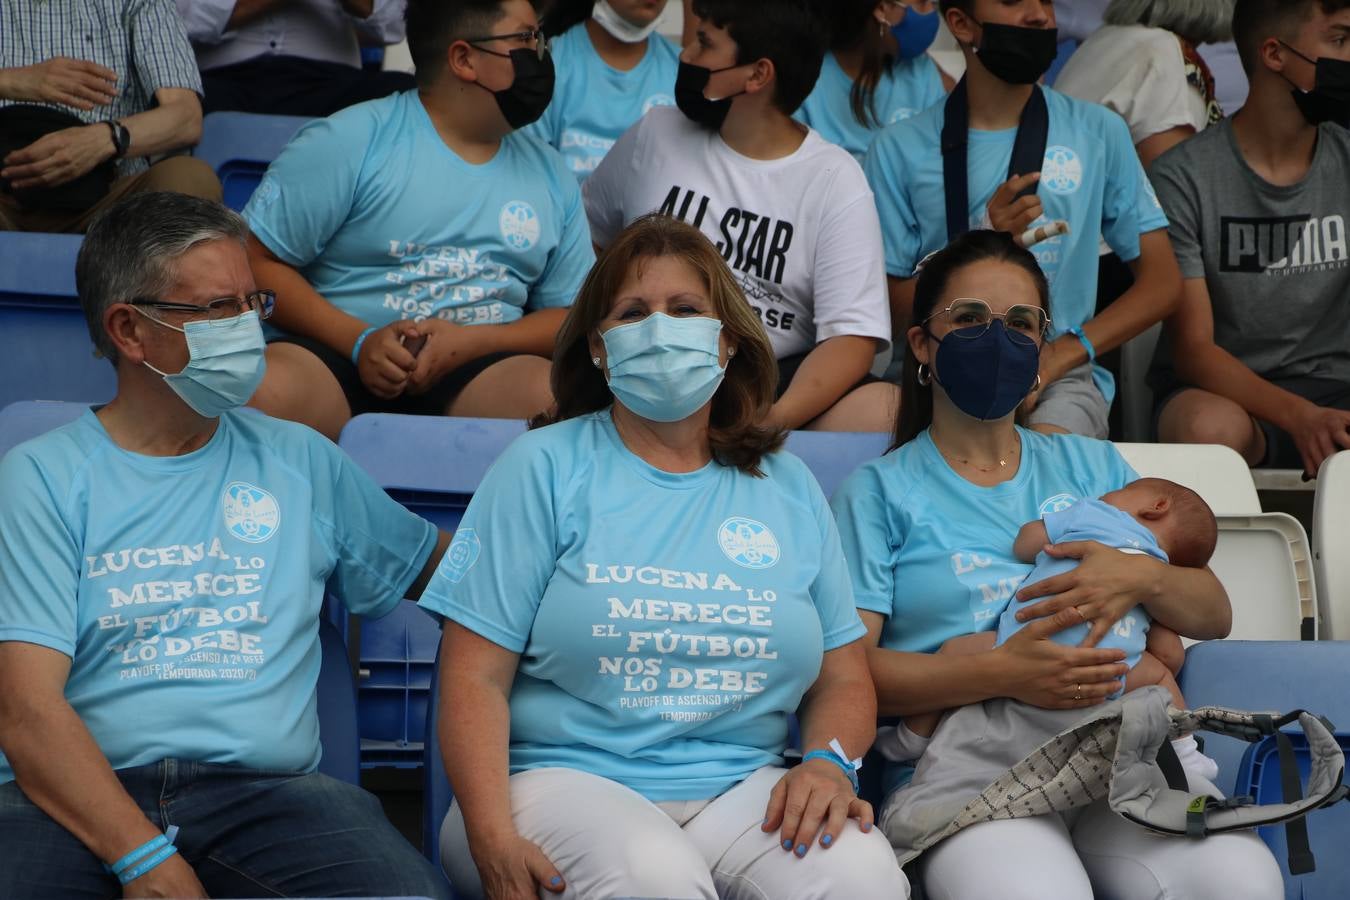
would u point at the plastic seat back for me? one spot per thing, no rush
(833, 455)
(27, 419)
(1331, 546)
(240, 146)
(45, 351)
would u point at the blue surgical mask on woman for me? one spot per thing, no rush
(225, 363)
(915, 33)
(986, 375)
(664, 368)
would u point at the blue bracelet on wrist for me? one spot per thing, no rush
(361, 339)
(837, 756)
(145, 857)
(1087, 344)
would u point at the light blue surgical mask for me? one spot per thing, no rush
(915, 33)
(663, 368)
(225, 363)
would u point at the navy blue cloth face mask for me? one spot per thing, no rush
(986, 371)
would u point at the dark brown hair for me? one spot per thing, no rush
(1197, 532)
(746, 394)
(916, 400)
(1256, 20)
(851, 24)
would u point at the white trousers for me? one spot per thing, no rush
(610, 842)
(1096, 853)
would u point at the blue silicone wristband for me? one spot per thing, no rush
(830, 755)
(1087, 344)
(147, 865)
(361, 339)
(154, 843)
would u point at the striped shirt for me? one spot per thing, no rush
(143, 41)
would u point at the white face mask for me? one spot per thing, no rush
(620, 28)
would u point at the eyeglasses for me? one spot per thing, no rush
(220, 310)
(968, 313)
(533, 36)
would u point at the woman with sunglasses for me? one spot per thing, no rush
(877, 71)
(928, 531)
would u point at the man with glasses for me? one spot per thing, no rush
(1258, 355)
(423, 254)
(163, 562)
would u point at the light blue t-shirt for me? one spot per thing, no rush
(1092, 520)
(667, 624)
(933, 553)
(387, 222)
(594, 103)
(906, 89)
(1091, 178)
(187, 589)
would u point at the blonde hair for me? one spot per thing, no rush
(735, 430)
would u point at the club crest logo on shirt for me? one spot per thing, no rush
(901, 115)
(657, 100)
(266, 193)
(1062, 171)
(463, 553)
(1057, 503)
(748, 543)
(519, 224)
(251, 513)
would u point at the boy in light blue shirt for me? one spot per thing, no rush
(423, 252)
(1089, 176)
(612, 68)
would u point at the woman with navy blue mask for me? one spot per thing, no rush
(928, 531)
(877, 71)
(640, 595)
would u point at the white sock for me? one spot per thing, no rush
(1193, 761)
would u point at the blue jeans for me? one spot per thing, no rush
(245, 833)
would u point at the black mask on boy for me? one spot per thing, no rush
(1015, 54)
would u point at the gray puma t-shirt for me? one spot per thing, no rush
(1276, 259)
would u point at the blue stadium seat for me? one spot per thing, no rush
(20, 422)
(239, 146)
(833, 455)
(1277, 676)
(1265, 676)
(432, 465)
(45, 352)
(29, 418)
(337, 709)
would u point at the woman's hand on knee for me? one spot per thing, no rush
(516, 869)
(814, 799)
(1043, 673)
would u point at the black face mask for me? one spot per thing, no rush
(689, 85)
(531, 91)
(1329, 100)
(1015, 54)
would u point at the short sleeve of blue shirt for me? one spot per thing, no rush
(370, 534)
(1130, 206)
(39, 557)
(570, 261)
(885, 168)
(309, 188)
(504, 552)
(832, 591)
(860, 510)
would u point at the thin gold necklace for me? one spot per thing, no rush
(1002, 463)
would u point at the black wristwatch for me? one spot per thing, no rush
(121, 138)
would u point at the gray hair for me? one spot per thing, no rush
(1200, 21)
(132, 251)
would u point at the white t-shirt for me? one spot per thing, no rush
(1138, 72)
(800, 234)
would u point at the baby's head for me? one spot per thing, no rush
(1181, 521)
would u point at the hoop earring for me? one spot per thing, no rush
(925, 375)
(1037, 386)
